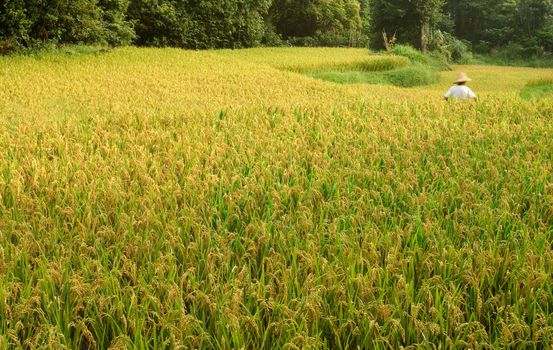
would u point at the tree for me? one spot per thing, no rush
(310, 18)
(35, 23)
(524, 26)
(199, 24)
(365, 14)
(227, 23)
(497, 23)
(412, 20)
(158, 23)
(429, 13)
(64, 21)
(14, 25)
(118, 30)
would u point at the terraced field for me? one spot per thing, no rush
(160, 198)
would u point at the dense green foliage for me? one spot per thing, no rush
(181, 23)
(32, 23)
(410, 20)
(419, 70)
(504, 58)
(520, 28)
(410, 76)
(199, 24)
(328, 21)
(527, 25)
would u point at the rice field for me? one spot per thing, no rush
(169, 199)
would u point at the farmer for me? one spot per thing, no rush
(460, 91)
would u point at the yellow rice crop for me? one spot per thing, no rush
(316, 58)
(160, 198)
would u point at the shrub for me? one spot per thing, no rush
(435, 61)
(270, 36)
(545, 38)
(449, 47)
(413, 75)
(410, 52)
(305, 41)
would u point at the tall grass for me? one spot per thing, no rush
(538, 89)
(403, 67)
(313, 59)
(409, 76)
(209, 201)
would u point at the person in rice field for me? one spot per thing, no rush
(460, 91)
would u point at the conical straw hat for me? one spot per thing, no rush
(462, 78)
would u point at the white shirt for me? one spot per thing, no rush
(461, 92)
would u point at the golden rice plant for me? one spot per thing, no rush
(160, 198)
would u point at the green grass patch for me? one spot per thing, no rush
(414, 75)
(349, 77)
(409, 76)
(372, 64)
(538, 89)
(411, 53)
(417, 69)
(432, 61)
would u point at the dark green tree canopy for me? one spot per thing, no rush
(495, 23)
(302, 18)
(410, 20)
(200, 24)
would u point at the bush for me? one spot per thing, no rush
(414, 75)
(117, 29)
(433, 61)
(28, 25)
(450, 48)
(545, 38)
(512, 51)
(353, 38)
(459, 52)
(526, 50)
(331, 39)
(9, 45)
(305, 41)
(270, 36)
(482, 47)
(410, 52)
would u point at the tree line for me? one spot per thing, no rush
(484, 25)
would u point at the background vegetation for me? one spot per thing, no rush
(518, 29)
